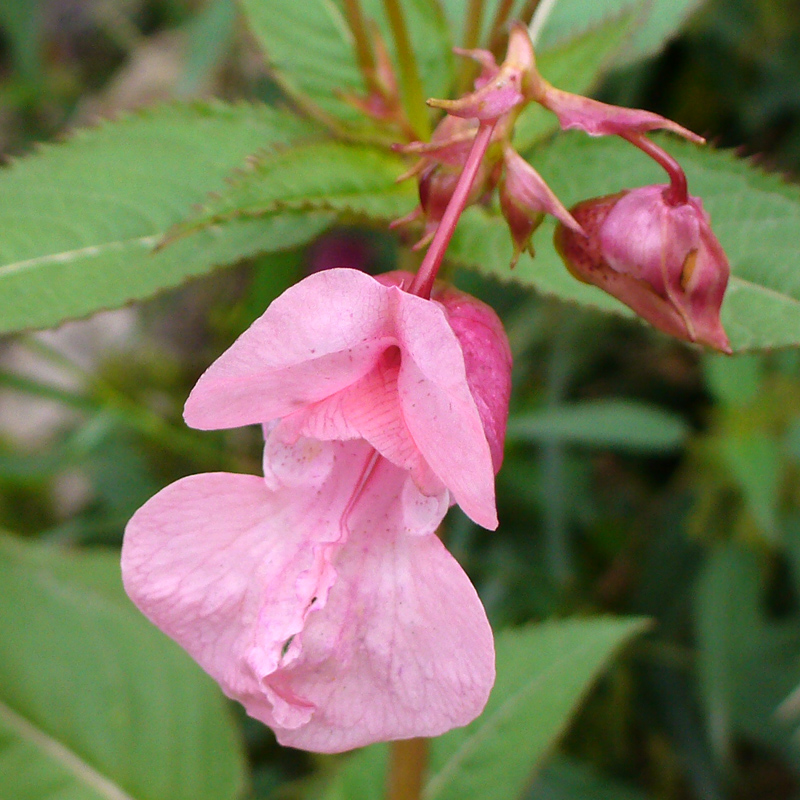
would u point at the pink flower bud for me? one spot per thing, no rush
(525, 198)
(487, 361)
(659, 258)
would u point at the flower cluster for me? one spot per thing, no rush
(655, 252)
(319, 596)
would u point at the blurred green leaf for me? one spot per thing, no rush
(210, 34)
(658, 21)
(310, 48)
(734, 381)
(755, 462)
(22, 23)
(543, 672)
(747, 663)
(755, 215)
(79, 221)
(566, 778)
(94, 701)
(327, 176)
(613, 424)
(662, 21)
(362, 776)
(722, 613)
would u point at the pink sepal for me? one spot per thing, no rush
(601, 119)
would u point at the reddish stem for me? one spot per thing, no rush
(678, 192)
(426, 275)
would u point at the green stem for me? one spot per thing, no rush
(497, 31)
(19, 383)
(364, 52)
(408, 760)
(472, 33)
(528, 10)
(413, 93)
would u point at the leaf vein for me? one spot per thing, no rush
(73, 763)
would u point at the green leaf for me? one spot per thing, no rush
(658, 21)
(747, 661)
(569, 19)
(662, 22)
(95, 703)
(362, 776)
(734, 381)
(755, 215)
(566, 778)
(210, 35)
(614, 424)
(543, 672)
(482, 241)
(331, 176)
(79, 220)
(574, 66)
(310, 48)
(22, 21)
(754, 461)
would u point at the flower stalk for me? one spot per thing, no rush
(423, 282)
(408, 760)
(678, 192)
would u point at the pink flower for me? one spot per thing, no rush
(657, 255)
(319, 596)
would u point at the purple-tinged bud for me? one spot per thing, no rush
(487, 361)
(524, 199)
(436, 186)
(660, 258)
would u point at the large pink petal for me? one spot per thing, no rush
(403, 647)
(318, 337)
(230, 566)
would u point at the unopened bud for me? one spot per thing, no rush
(660, 258)
(524, 199)
(487, 361)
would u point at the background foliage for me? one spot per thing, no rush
(643, 478)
